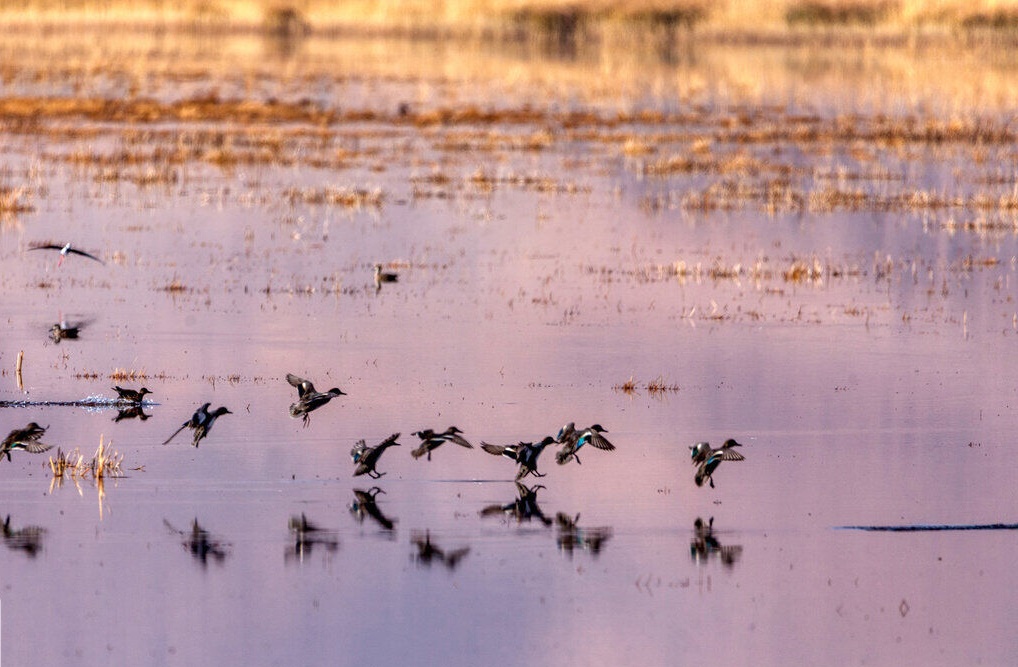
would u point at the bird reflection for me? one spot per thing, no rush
(571, 536)
(364, 505)
(200, 422)
(201, 543)
(25, 439)
(306, 536)
(523, 508)
(427, 552)
(133, 412)
(705, 546)
(27, 539)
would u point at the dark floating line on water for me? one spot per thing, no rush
(930, 527)
(89, 402)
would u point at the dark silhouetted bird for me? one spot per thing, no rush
(366, 457)
(25, 439)
(200, 422)
(308, 399)
(709, 459)
(572, 440)
(131, 395)
(524, 453)
(431, 440)
(65, 250)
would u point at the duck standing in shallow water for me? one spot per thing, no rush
(431, 440)
(25, 439)
(524, 453)
(709, 459)
(572, 440)
(366, 457)
(309, 400)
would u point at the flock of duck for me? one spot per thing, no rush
(366, 457)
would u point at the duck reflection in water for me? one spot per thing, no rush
(27, 539)
(705, 546)
(428, 552)
(523, 508)
(571, 536)
(364, 505)
(201, 543)
(306, 536)
(133, 412)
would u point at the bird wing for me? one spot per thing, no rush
(599, 441)
(730, 455)
(459, 440)
(391, 440)
(302, 385)
(31, 446)
(46, 246)
(497, 450)
(85, 254)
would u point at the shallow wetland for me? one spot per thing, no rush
(811, 250)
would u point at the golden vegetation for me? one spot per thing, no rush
(561, 20)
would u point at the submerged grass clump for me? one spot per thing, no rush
(106, 462)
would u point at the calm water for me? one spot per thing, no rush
(876, 394)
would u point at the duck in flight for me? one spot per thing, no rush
(708, 459)
(572, 440)
(65, 250)
(26, 439)
(308, 399)
(366, 457)
(431, 440)
(524, 453)
(200, 422)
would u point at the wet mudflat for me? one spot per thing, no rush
(820, 264)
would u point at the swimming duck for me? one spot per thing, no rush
(709, 459)
(383, 277)
(131, 395)
(525, 453)
(308, 399)
(572, 440)
(366, 457)
(431, 440)
(61, 330)
(25, 439)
